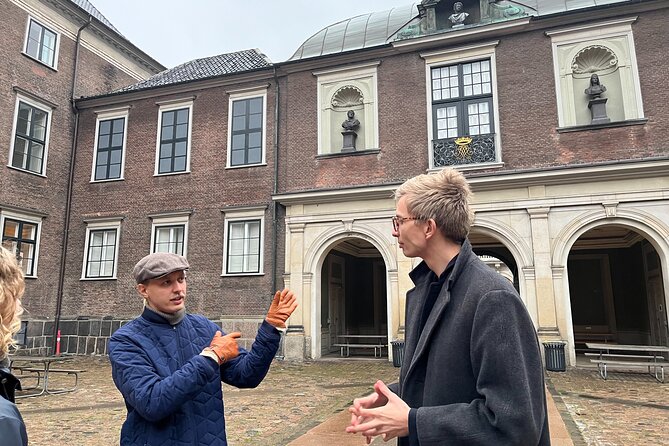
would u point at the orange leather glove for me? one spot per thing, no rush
(283, 305)
(225, 347)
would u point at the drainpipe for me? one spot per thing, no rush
(275, 206)
(68, 202)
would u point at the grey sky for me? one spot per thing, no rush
(176, 31)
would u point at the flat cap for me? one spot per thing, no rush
(158, 264)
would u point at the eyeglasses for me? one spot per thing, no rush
(397, 221)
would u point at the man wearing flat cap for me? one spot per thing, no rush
(169, 364)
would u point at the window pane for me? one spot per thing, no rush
(168, 119)
(101, 172)
(238, 141)
(181, 131)
(165, 150)
(180, 148)
(11, 229)
(105, 127)
(238, 123)
(179, 164)
(115, 156)
(255, 121)
(115, 171)
(238, 108)
(255, 155)
(165, 166)
(237, 157)
(182, 116)
(255, 105)
(254, 139)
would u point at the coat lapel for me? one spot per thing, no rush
(418, 342)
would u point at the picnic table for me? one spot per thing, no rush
(649, 357)
(346, 342)
(40, 368)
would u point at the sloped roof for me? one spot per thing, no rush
(90, 9)
(205, 68)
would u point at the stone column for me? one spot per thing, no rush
(294, 342)
(546, 316)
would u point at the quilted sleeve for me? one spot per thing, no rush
(152, 396)
(249, 368)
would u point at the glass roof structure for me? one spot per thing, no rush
(358, 32)
(379, 28)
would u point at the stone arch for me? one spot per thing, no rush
(315, 255)
(520, 251)
(653, 230)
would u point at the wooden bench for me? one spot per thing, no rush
(655, 368)
(348, 346)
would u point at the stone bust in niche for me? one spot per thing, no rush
(596, 88)
(458, 17)
(352, 122)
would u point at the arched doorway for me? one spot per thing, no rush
(616, 288)
(353, 298)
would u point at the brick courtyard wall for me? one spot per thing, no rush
(90, 336)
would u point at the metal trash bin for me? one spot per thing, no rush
(554, 354)
(398, 352)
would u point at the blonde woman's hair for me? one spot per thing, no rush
(11, 290)
(444, 197)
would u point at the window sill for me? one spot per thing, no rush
(351, 153)
(90, 279)
(109, 180)
(26, 171)
(608, 125)
(168, 174)
(246, 166)
(54, 68)
(242, 274)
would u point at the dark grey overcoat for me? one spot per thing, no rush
(474, 374)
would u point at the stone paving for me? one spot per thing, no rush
(626, 409)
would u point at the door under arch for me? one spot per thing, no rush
(616, 289)
(353, 294)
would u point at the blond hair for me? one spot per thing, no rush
(444, 197)
(11, 290)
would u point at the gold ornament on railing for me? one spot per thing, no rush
(463, 147)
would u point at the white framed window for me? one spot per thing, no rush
(110, 142)
(20, 235)
(461, 86)
(170, 234)
(247, 124)
(30, 142)
(174, 137)
(243, 241)
(345, 89)
(603, 48)
(41, 43)
(101, 250)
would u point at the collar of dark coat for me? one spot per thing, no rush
(421, 272)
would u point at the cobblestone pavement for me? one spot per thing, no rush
(629, 408)
(293, 398)
(626, 409)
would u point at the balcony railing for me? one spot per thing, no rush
(464, 150)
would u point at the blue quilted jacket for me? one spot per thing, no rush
(172, 393)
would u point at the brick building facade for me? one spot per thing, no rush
(242, 165)
(52, 52)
